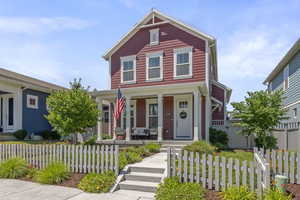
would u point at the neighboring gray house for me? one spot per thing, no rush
(23, 102)
(286, 76)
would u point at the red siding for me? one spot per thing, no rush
(141, 113)
(168, 117)
(171, 37)
(203, 117)
(218, 93)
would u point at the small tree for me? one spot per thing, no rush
(258, 114)
(72, 111)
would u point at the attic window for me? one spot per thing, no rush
(154, 36)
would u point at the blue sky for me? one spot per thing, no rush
(57, 40)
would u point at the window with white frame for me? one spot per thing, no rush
(32, 101)
(154, 36)
(295, 112)
(128, 66)
(183, 62)
(154, 66)
(286, 78)
(152, 113)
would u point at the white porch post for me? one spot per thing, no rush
(128, 118)
(99, 124)
(109, 118)
(160, 117)
(196, 114)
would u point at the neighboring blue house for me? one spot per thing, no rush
(23, 102)
(286, 76)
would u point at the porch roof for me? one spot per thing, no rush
(154, 90)
(26, 81)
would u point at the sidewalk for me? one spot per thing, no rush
(11, 189)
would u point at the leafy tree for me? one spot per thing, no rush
(72, 111)
(258, 114)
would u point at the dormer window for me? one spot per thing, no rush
(154, 36)
(128, 69)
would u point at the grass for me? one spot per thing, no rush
(13, 168)
(54, 173)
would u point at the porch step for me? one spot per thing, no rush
(165, 149)
(147, 169)
(148, 177)
(138, 186)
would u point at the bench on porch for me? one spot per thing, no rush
(144, 133)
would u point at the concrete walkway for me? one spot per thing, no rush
(22, 190)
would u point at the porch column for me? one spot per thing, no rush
(99, 123)
(128, 118)
(160, 117)
(109, 119)
(196, 114)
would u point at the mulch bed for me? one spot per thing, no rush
(73, 181)
(293, 189)
(212, 195)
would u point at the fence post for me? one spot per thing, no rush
(169, 162)
(267, 176)
(116, 160)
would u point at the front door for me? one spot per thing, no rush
(8, 112)
(184, 117)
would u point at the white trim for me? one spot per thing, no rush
(154, 31)
(124, 59)
(292, 104)
(36, 98)
(188, 50)
(148, 102)
(152, 55)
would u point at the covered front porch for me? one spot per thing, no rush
(10, 107)
(156, 113)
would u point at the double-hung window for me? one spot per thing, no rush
(154, 36)
(154, 66)
(183, 62)
(286, 77)
(128, 69)
(152, 113)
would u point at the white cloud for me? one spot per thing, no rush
(28, 25)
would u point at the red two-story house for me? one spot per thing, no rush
(169, 75)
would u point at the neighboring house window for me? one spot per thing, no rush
(270, 86)
(154, 66)
(295, 112)
(183, 62)
(128, 67)
(154, 36)
(32, 101)
(286, 78)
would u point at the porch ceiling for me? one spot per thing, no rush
(3, 92)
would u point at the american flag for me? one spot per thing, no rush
(120, 104)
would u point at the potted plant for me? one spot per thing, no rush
(120, 133)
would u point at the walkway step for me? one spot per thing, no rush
(138, 186)
(147, 169)
(141, 176)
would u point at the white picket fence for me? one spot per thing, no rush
(79, 158)
(219, 173)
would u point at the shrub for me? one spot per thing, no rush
(49, 135)
(133, 157)
(107, 137)
(20, 134)
(54, 173)
(122, 160)
(218, 138)
(275, 194)
(32, 172)
(13, 168)
(268, 142)
(91, 141)
(97, 183)
(237, 154)
(201, 147)
(153, 147)
(172, 189)
(142, 151)
(238, 193)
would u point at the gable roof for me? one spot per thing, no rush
(166, 19)
(27, 81)
(284, 61)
